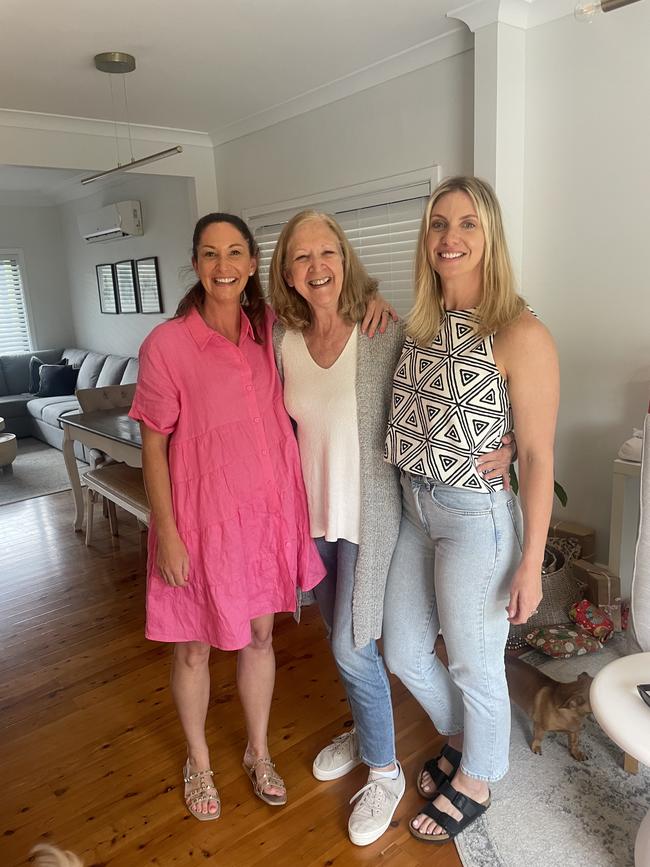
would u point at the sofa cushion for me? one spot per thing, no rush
(57, 379)
(53, 411)
(49, 408)
(131, 373)
(13, 405)
(90, 369)
(74, 357)
(16, 368)
(112, 371)
(35, 364)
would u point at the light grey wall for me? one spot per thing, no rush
(37, 232)
(404, 124)
(586, 271)
(168, 221)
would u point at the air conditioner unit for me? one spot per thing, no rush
(119, 220)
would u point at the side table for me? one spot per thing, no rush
(623, 715)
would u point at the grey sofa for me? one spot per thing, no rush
(27, 415)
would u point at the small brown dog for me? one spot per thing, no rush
(551, 705)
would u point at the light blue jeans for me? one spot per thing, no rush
(451, 571)
(361, 669)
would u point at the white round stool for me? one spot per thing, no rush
(625, 717)
(8, 451)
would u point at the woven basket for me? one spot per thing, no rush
(559, 587)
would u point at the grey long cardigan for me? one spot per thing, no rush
(381, 503)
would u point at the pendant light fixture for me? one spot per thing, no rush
(585, 12)
(120, 63)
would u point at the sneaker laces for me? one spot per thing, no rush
(340, 742)
(372, 798)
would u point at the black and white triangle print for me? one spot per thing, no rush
(450, 404)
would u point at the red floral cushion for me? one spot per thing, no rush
(592, 619)
(562, 641)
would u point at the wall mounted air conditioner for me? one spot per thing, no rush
(119, 220)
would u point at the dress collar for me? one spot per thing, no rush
(202, 334)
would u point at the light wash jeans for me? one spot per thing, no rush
(451, 571)
(361, 669)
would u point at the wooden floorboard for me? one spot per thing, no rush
(91, 750)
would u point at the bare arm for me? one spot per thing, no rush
(527, 353)
(172, 558)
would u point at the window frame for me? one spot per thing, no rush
(379, 191)
(18, 254)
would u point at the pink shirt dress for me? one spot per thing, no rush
(237, 489)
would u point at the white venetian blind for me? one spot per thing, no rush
(14, 326)
(383, 233)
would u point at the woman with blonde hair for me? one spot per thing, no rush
(337, 385)
(476, 363)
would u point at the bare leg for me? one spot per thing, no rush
(191, 690)
(255, 681)
(477, 790)
(455, 741)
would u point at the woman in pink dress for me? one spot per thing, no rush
(230, 541)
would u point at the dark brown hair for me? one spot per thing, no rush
(253, 304)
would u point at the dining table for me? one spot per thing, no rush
(110, 431)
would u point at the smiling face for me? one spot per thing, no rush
(223, 262)
(455, 240)
(314, 264)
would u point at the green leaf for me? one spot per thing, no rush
(560, 493)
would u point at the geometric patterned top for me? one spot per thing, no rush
(449, 405)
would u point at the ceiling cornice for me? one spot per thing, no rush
(106, 128)
(523, 14)
(424, 54)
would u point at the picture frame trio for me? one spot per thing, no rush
(130, 286)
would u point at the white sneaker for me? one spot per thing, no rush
(338, 758)
(373, 812)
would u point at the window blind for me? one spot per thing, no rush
(384, 237)
(14, 326)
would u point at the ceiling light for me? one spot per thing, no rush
(120, 63)
(585, 11)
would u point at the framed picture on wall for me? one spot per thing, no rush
(106, 286)
(127, 297)
(148, 282)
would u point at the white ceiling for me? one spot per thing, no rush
(201, 64)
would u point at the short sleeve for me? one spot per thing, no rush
(157, 400)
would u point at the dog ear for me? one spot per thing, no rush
(585, 676)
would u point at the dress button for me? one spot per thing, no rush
(264, 452)
(249, 388)
(256, 419)
(287, 544)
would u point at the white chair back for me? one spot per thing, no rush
(640, 601)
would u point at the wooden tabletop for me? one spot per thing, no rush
(112, 423)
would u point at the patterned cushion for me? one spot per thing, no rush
(562, 641)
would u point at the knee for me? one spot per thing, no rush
(193, 654)
(261, 637)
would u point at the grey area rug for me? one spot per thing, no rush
(551, 811)
(38, 469)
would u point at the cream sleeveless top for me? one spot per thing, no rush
(323, 404)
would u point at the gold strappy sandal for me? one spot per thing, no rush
(199, 788)
(266, 779)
